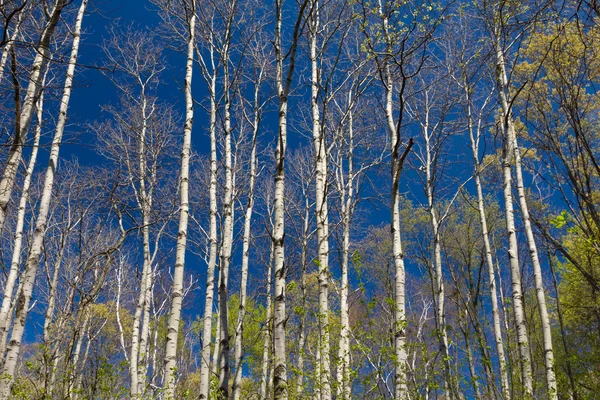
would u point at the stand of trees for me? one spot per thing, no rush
(338, 200)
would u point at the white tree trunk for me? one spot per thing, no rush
(205, 367)
(508, 158)
(279, 313)
(227, 243)
(9, 286)
(438, 284)
(239, 333)
(138, 357)
(177, 290)
(280, 384)
(8, 46)
(537, 274)
(400, 387)
(31, 97)
(488, 251)
(321, 212)
(264, 381)
(346, 204)
(33, 259)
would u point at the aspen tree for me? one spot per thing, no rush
(283, 84)
(228, 208)
(433, 132)
(264, 381)
(511, 155)
(33, 259)
(177, 288)
(137, 58)
(205, 362)
(8, 46)
(475, 135)
(321, 210)
(257, 110)
(392, 57)
(27, 108)
(9, 286)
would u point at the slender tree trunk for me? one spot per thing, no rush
(488, 253)
(440, 309)
(509, 154)
(321, 211)
(9, 45)
(537, 274)
(302, 319)
(9, 286)
(280, 317)
(71, 367)
(31, 97)
(145, 333)
(450, 389)
(76, 393)
(227, 242)
(214, 367)
(400, 387)
(177, 290)
(347, 199)
(246, 248)
(280, 384)
(264, 381)
(205, 368)
(139, 340)
(33, 260)
(399, 328)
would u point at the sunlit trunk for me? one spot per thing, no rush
(31, 97)
(33, 259)
(177, 289)
(205, 364)
(9, 286)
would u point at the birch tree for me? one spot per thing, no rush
(398, 53)
(8, 300)
(27, 108)
(257, 106)
(283, 85)
(512, 155)
(209, 70)
(135, 62)
(177, 289)
(33, 259)
(475, 128)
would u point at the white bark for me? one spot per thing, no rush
(205, 368)
(438, 284)
(33, 259)
(508, 157)
(400, 384)
(321, 212)
(264, 381)
(33, 91)
(144, 197)
(475, 135)
(302, 321)
(346, 204)
(177, 289)
(239, 333)
(227, 242)
(9, 286)
(279, 314)
(537, 274)
(8, 46)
